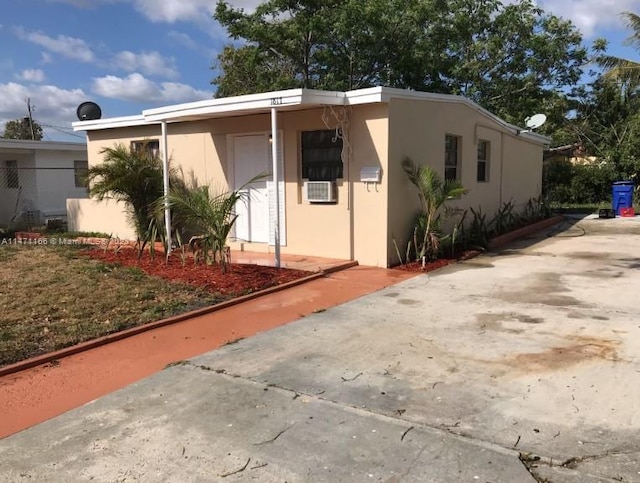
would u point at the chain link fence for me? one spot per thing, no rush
(35, 197)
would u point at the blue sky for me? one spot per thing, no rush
(129, 55)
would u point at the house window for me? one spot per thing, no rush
(11, 168)
(484, 152)
(321, 155)
(80, 169)
(150, 146)
(451, 156)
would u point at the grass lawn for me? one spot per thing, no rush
(52, 297)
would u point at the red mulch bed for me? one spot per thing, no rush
(240, 280)
(436, 264)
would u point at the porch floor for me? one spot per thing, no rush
(296, 262)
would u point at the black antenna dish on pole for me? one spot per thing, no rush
(88, 111)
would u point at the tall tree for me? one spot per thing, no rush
(513, 59)
(23, 128)
(625, 70)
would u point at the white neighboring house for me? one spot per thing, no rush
(37, 177)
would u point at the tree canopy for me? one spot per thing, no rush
(21, 129)
(512, 59)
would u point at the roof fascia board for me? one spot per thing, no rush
(385, 94)
(111, 123)
(41, 145)
(252, 102)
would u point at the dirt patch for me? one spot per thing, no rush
(409, 302)
(545, 288)
(494, 320)
(582, 350)
(601, 273)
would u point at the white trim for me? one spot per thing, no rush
(166, 187)
(275, 142)
(111, 123)
(292, 99)
(386, 94)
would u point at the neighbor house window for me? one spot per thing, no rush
(151, 146)
(80, 169)
(11, 169)
(321, 155)
(484, 152)
(451, 155)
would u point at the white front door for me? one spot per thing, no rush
(251, 158)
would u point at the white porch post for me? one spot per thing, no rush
(165, 175)
(274, 158)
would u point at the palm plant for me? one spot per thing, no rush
(625, 70)
(211, 215)
(433, 193)
(134, 177)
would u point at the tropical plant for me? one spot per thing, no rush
(211, 215)
(505, 219)
(624, 70)
(433, 193)
(477, 233)
(134, 177)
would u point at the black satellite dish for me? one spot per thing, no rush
(89, 111)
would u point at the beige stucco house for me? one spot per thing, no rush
(37, 177)
(342, 190)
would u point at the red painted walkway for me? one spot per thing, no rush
(35, 395)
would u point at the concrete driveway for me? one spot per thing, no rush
(514, 367)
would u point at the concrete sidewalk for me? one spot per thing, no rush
(513, 367)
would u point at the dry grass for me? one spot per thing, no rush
(51, 298)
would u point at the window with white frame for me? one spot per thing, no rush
(80, 170)
(484, 154)
(451, 157)
(11, 173)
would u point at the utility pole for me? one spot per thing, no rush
(33, 134)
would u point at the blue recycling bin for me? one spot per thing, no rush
(622, 195)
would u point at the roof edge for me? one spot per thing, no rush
(42, 145)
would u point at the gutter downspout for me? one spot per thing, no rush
(276, 185)
(165, 176)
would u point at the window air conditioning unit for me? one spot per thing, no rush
(320, 191)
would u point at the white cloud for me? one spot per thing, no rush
(183, 39)
(175, 11)
(138, 88)
(70, 47)
(51, 104)
(150, 63)
(590, 16)
(169, 11)
(32, 75)
(46, 58)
